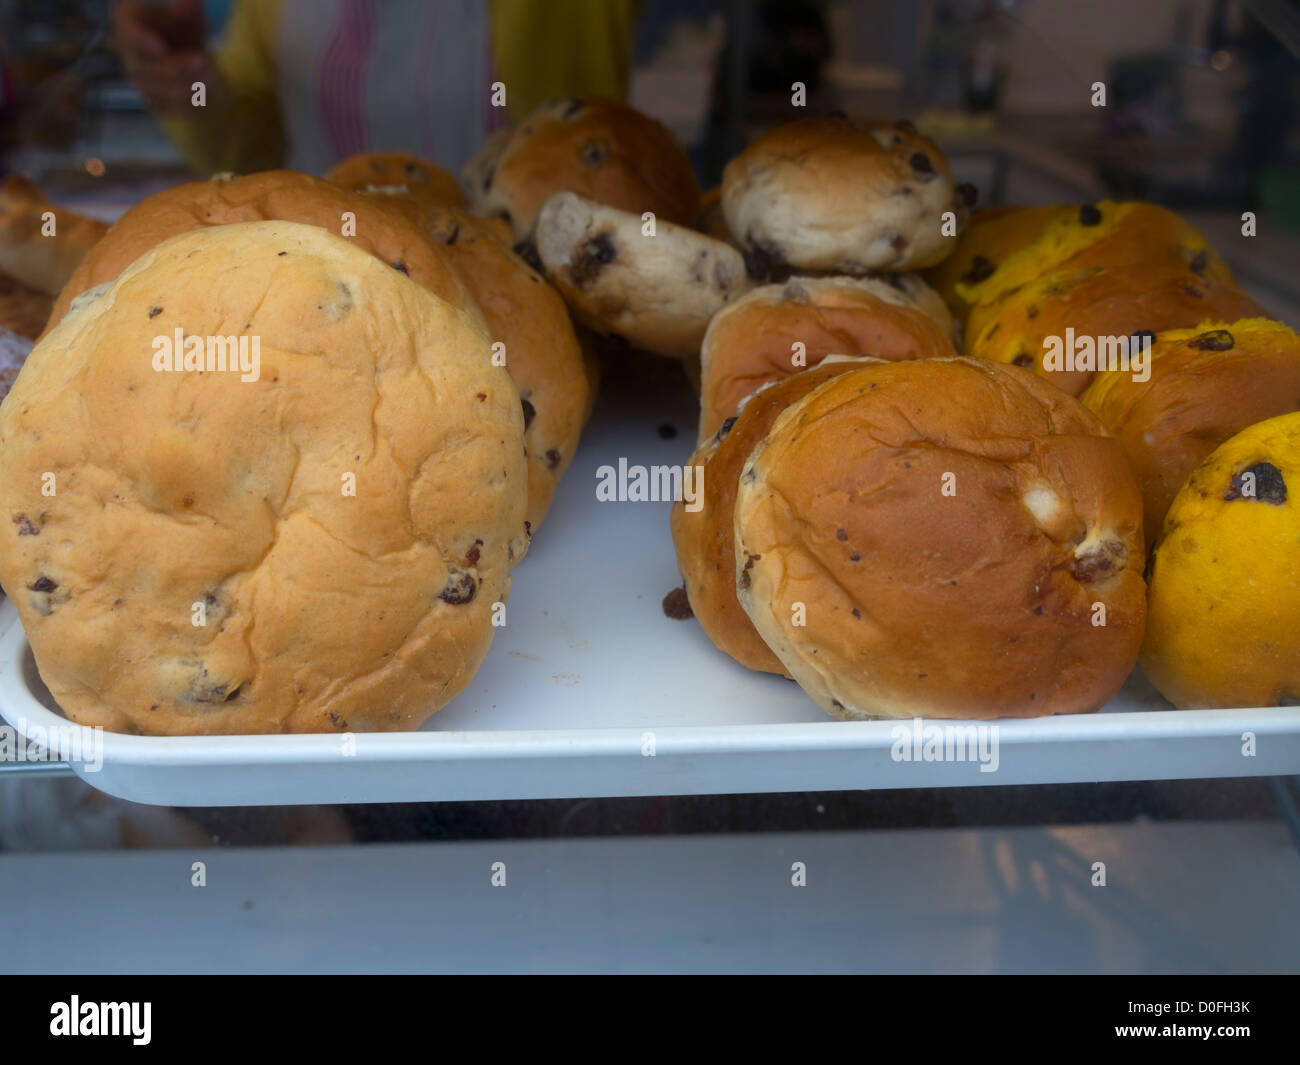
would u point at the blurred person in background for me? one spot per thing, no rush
(305, 83)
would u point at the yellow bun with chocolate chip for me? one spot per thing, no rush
(1100, 270)
(1224, 605)
(943, 538)
(991, 236)
(313, 543)
(1206, 384)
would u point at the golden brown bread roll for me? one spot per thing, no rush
(831, 194)
(705, 538)
(314, 543)
(381, 228)
(542, 352)
(752, 341)
(939, 538)
(1206, 385)
(37, 260)
(601, 150)
(425, 181)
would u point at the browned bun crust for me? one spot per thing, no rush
(750, 342)
(1207, 384)
(23, 310)
(382, 229)
(601, 150)
(831, 194)
(36, 260)
(978, 603)
(424, 180)
(705, 538)
(989, 237)
(542, 352)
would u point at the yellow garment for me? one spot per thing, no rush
(541, 50)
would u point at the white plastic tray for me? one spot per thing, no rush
(588, 664)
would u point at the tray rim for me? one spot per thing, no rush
(18, 705)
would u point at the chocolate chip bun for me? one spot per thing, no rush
(990, 237)
(1206, 385)
(425, 181)
(602, 150)
(1102, 270)
(381, 228)
(705, 538)
(753, 341)
(38, 259)
(542, 353)
(849, 197)
(314, 545)
(938, 538)
(658, 292)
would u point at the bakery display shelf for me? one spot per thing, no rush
(588, 677)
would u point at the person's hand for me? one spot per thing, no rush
(163, 51)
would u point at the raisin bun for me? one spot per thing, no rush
(940, 538)
(602, 150)
(541, 349)
(39, 260)
(657, 290)
(849, 197)
(315, 548)
(777, 330)
(705, 538)
(370, 222)
(425, 181)
(1206, 385)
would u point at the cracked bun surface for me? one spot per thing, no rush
(340, 524)
(385, 230)
(934, 539)
(600, 149)
(752, 341)
(831, 194)
(656, 292)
